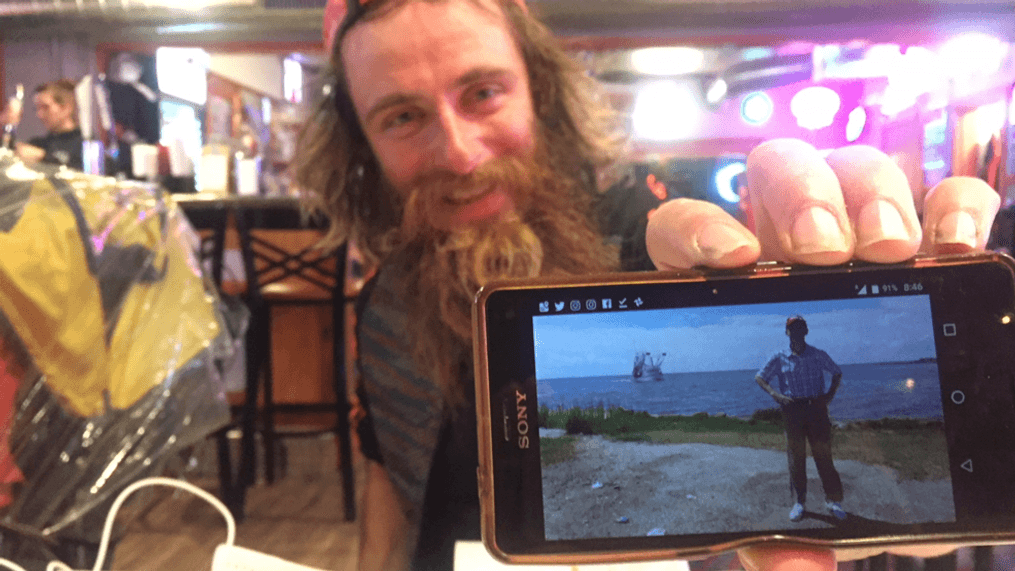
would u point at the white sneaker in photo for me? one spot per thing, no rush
(797, 513)
(836, 509)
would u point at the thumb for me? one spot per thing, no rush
(684, 233)
(795, 558)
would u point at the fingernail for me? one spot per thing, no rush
(880, 221)
(817, 230)
(747, 559)
(956, 228)
(716, 241)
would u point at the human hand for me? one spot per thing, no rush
(29, 153)
(856, 204)
(803, 558)
(12, 114)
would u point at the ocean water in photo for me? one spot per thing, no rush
(874, 391)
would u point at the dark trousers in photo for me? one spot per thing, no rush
(807, 421)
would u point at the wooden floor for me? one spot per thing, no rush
(299, 518)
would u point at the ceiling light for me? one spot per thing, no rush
(716, 91)
(725, 179)
(667, 60)
(973, 53)
(756, 53)
(815, 107)
(854, 126)
(195, 4)
(756, 108)
(665, 111)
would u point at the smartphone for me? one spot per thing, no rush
(620, 417)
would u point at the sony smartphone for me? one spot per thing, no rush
(620, 417)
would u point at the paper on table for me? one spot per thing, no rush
(472, 556)
(179, 163)
(144, 161)
(248, 176)
(215, 173)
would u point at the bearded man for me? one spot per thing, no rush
(461, 144)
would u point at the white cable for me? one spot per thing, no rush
(10, 565)
(107, 529)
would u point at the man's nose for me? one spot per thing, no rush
(460, 147)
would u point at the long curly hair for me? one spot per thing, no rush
(577, 134)
(339, 176)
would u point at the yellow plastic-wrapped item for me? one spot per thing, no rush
(111, 346)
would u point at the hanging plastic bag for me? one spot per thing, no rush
(111, 349)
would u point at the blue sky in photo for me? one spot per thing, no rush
(729, 338)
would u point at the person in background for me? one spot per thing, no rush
(61, 145)
(461, 144)
(627, 205)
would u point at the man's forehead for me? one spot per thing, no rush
(426, 43)
(402, 29)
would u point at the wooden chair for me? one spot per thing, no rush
(284, 275)
(211, 221)
(284, 266)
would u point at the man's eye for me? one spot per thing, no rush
(401, 119)
(486, 92)
(484, 95)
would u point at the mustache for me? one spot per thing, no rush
(432, 193)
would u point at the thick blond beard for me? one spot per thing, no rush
(552, 235)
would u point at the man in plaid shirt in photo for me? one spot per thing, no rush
(796, 380)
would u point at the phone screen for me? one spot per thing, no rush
(694, 445)
(689, 414)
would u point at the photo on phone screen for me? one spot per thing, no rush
(652, 412)
(654, 423)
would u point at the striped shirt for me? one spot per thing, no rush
(406, 409)
(799, 376)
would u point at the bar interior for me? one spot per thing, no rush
(191, 111)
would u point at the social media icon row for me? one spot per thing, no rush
(590, 304)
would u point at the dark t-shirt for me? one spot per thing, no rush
(623, 216)
(61, 148)
(429, 452)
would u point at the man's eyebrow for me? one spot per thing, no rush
(480, 74)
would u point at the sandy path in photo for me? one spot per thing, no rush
(701, 488)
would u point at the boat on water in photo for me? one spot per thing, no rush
(647, 368)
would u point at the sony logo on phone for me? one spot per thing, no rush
(522, 410)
